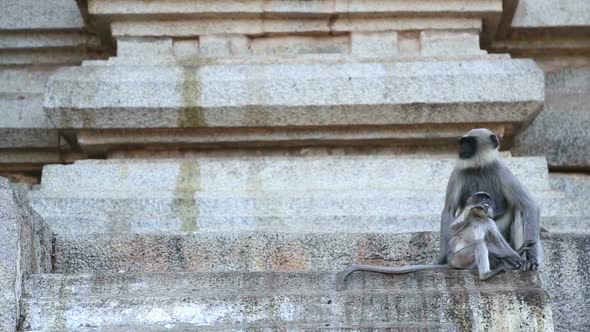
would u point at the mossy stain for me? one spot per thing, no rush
(184, 203)
(191, 114)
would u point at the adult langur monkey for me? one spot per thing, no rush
(517, 215)
(474, 237)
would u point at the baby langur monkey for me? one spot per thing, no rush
(474, 237)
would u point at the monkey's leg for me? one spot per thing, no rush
(482, 260)
(521, 226)
(501, 249)
(501, 266)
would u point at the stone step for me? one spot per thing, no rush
(254, 251)
(269, 173)
(279, 193)
(127, 285)
(375, 211)
(132, 224)
(271, 299)
(269, 327)
(279, 203)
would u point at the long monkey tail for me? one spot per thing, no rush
(341, 276)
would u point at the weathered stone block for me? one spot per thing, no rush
(565, 277)
(144, 47)
(292, 46)
(547, 28)
(25, 80)
(560, 132)
(24, 123)
(25, 243)
(223, 45)
(551, 14)
(270, 174)
(441, 43)
(27, 137)
(374, 44)
(35, 15)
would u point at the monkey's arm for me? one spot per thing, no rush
(532, 249)
(341, 276)
(526, 227)
(447, 217)
(459, 224)
(445, 236)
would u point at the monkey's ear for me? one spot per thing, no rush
(494, 140)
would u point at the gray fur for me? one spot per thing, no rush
(517, 214)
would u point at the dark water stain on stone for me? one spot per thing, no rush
(184, 203)
(460, 312)
(191, 113)
(176, 252)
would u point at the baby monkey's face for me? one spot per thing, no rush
(482, 205)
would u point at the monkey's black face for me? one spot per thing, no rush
(467, 147)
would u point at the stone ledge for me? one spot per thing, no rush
(456, 301)
(133, 17)
(229, 97)
(34, 39)
(105, 285)
(277, 7)
(327, 326)
(271, 173)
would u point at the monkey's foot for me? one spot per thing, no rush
(514, 264)
(530, 265)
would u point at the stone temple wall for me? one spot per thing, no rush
(209, 165)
